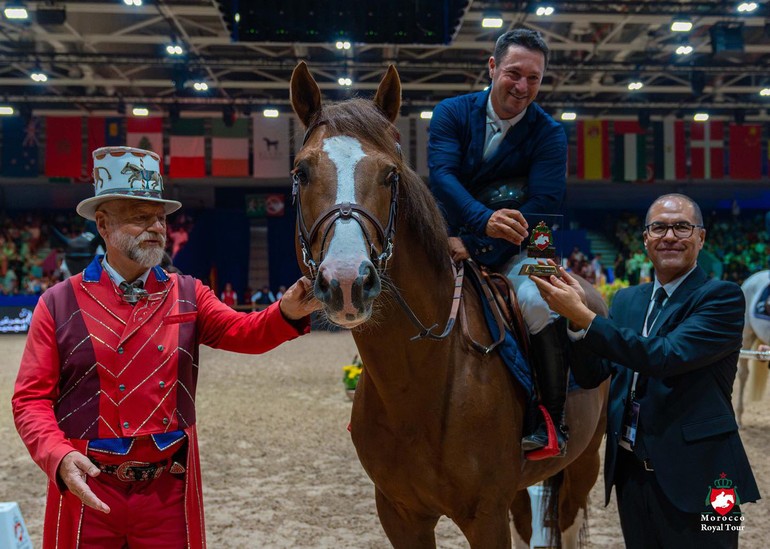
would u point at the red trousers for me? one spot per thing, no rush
(148, 514)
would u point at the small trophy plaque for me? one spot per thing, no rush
(542, 246)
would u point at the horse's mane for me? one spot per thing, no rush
(362, 119)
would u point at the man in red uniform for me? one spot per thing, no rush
(105, 397)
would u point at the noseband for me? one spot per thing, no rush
(345, 211)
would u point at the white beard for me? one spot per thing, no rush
(131, 247)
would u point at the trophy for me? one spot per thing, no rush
(543, 244)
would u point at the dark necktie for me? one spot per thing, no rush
(657, 305)
(133, 292)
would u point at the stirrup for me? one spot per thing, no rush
(552, 448)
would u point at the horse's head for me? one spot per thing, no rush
(345, 183)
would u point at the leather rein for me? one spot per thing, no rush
(356, 212)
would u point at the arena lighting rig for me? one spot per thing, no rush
(395, 21)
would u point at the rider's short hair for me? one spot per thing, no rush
(526, 38)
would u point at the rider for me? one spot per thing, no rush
(494, 156)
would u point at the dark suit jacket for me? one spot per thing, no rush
(687, 426)
(534, 150)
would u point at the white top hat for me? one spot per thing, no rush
(126, 172)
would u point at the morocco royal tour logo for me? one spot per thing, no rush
(722, 496)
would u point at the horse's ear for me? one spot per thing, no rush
(305, 94)
(388, 97)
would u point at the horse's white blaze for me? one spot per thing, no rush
(348, 242)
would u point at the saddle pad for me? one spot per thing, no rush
(509, 350)
(759, 306)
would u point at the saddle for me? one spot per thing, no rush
(499, 293)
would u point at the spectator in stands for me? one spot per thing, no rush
(280, 292)
(596, 265)
(229, 296)
(262, 297)
(619, 267)
(122, 437)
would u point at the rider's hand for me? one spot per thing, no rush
(457, 249)
(73, 471)
(507, 224)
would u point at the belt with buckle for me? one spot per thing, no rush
(133, 471)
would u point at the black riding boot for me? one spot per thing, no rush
(549, 359)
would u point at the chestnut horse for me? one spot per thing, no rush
(436, 424)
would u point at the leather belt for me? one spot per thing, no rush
(646, 462)
(133, 471)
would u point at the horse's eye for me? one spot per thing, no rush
(299, 176)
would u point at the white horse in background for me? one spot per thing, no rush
(753, 374)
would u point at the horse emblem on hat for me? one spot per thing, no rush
(142, 175)
(98, 180)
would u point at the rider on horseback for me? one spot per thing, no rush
(494, 156)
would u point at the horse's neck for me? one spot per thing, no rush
(395, 360)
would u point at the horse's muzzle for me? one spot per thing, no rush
(347, 293)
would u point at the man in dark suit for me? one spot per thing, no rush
(494, 156)
(671, 347)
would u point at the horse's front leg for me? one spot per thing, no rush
(488, 528)
(405, 529)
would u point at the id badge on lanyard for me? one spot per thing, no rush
(630, 421)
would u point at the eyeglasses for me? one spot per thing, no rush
(682, 229)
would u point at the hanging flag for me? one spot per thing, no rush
(271, 147)
(707, 151)
(64, 146)
(230, 148)
(745, 151)
(421, 137)
(593, 150)
(670, 159)
(187, 148)
(630, 161)
(102, 132)
(145, 133)
(20, 147)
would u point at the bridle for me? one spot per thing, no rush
(344, 211)
(356, 212)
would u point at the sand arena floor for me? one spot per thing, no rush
(279, 469)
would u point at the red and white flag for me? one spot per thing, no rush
(707, 150)
(145, 133)
(745, 151)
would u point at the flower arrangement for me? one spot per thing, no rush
(352, 373)
(608, 291)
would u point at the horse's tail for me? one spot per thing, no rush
(551, 512)
(758, 374)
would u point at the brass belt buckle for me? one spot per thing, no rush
(125, 470)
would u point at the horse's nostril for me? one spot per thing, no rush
(370, 281)
(321, 288)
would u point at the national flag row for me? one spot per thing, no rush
(67, 143)
(620, 150)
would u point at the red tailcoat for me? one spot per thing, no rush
(96, 367)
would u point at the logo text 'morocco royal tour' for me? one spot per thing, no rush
(722, 497)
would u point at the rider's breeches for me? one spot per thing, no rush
(534, 309)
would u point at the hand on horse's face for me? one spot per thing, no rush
(507, 224)
(457, 249)
(299, 301)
